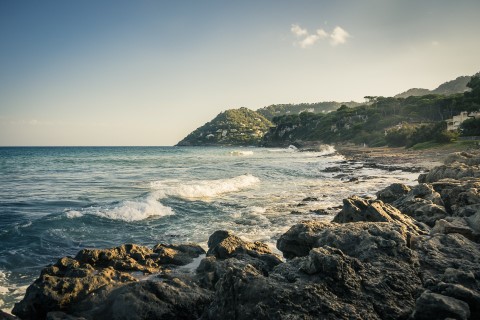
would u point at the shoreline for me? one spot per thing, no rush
(419, 234)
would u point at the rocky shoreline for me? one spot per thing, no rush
(412, 253)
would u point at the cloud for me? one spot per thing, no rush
(296, 30)
(305, 39)
(338, 36)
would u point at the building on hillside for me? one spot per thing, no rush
(454, 123)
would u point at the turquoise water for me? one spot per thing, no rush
(55, 201)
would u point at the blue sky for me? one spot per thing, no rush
(149, 72)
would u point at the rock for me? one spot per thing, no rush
(321, 212)
(300, 239)
(454, 170)
(6, 316)
(167, 299)
(227, 251)
(467, 158)
(450, 258)
(358, 209)
(310, 199)
(332, 169)
(455, 225)
(461, 198)
(440, 307)
(471, 297)
(178, 254)
(224, 244)
(71, 280)
(423, 204)
(393, 192)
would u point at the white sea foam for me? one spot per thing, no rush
(136, 210)
(204, 188)
(128, 210)
(326, 149)
(71, 214)
(241, 153)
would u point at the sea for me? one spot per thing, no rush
(55, 201)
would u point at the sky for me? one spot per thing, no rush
(108, 73)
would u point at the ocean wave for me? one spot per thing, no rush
(241, 153)
(204, 188)
(128, 210)
(326, 150)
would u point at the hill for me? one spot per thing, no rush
(276, 110)
(232, 127)
(459, 85)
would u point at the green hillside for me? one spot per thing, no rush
(393, 121)
(276, 110)
(232, 127)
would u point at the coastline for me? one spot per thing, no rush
(413, 234)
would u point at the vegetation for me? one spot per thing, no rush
(394, 121)
(470, 127)
(384, 121)
(232, 127)
(276, 110)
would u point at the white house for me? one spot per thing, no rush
(454, 123)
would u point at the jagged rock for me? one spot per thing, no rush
(471, 297)
(224, 244)
(177, 254)
(461, 198)
(432, 305)
(71, 280)
(450, 258)
(393, 192)
(358, 209)
(455, 225)
(166, 299)
(227, 251)
(454, 170)
(423, 204)
(467, 158)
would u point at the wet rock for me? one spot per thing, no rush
(177, 254)
(321, 212)
(227, 251)
(310, 199)
(332, 169)
(393, 192)
(432, 305)
(72, 280)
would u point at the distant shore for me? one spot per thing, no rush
(400, 157)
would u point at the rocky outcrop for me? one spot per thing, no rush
(357, 209)
(456, 170)
(96, 272)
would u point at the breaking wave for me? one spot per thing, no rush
(204, 188)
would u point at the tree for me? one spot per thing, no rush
(470, 127)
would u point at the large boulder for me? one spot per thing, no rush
(71, 280)
(436, 306)
(357, 209)
(393, 192)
